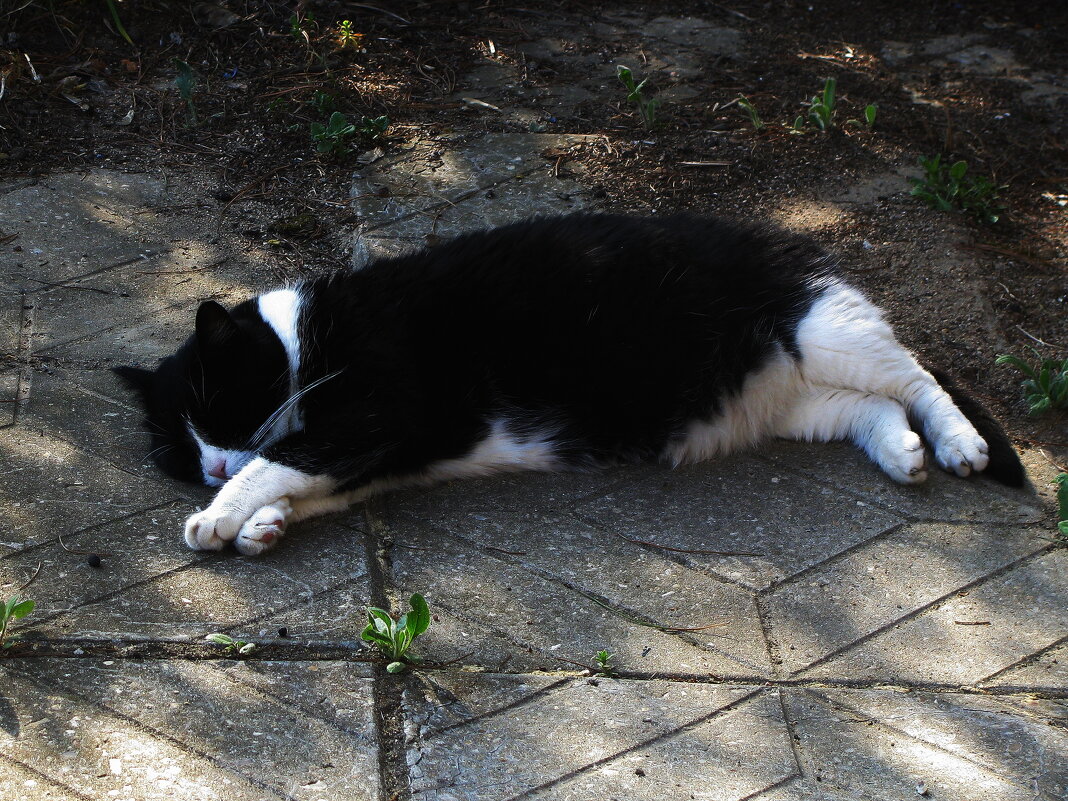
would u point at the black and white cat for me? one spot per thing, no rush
(552, 344)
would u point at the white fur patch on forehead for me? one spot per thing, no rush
(281, 311)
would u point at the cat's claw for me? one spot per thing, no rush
(211, 530)
(962, 453)
(262, 531)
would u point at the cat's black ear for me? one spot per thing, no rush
(135, 378)
(215, 326)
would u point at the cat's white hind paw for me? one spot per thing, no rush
(962, 453)
(262, 531)
(210, 530)
(903, 458)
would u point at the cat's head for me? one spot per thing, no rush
(208, 403)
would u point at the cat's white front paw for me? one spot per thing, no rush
(963, 452)
(262, 531)
(903, 458)
(211, 529)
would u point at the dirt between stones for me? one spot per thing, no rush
(984, 82)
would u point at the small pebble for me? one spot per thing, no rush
(283, 631)
(93, 560)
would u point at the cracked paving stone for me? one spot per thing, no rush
(874, 744)
(92, 410)
(977, 633)
(835, 604)
(114, 300)
(1048, 671)
(131, 551)
(942, 497)
(739, 504)
(9, 390)
(624, 574)
(72, 224)
(539, 614)
(566, 740)
(222, 592)
(163, 729)
(51, 487)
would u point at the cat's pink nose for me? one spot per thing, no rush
(218, 470)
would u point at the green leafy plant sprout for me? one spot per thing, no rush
(605, 667)
(373, 127)
(949, 187)
(646, 106)
(13, 609)
(820, 111)
(869, 117)
(1046, 384)
(297, 27)
(1062, 508)
(186, 81)
(230, 645)
(750, 109)
(394, 637)
(323, 102)
(347, 37)
(330, 139)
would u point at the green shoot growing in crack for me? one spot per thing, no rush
(750, 110)
(1046, 385)
(12, 610)
(232, 646)
(646, 106)
(393, 637)
(605, 667)
(820, 109)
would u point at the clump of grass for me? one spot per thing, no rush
(646, 106)
(393, 637)
(1046, 385)
(950, 187)
(13, 609)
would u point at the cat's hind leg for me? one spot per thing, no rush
(876, 423)
(844, 341)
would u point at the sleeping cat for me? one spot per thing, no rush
(551, 344)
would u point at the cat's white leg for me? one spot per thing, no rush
(874, 422)
(260, 483)
(845, 342)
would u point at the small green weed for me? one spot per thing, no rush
(347, 37)
(118, 22)
(1062, 507)
(750, 109)
(646, 106)
(373, 127)
(869, 117)
(230, 645)
(323, 102)
(1046, 385)
(186, 81)
(330, 139)
(605, 667)
(298, 26)
(948, 188)
(13, 609)
(393, 637)
(820, 111)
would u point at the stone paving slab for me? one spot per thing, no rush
(569, 739)
(978, 632)
(739, 504)
(867, 590)
(173, 729)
